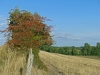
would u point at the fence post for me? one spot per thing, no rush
(29, 62)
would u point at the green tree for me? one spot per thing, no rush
(74, 51)
(98, 48)
(73, 48)
(86, 49)
(93, 50)
(67, 50)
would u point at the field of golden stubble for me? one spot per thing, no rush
(71, 65)
(11, 64)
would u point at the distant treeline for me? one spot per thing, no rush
(84, 50)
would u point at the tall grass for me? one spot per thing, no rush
(14, 62)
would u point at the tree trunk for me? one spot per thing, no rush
(29, 62)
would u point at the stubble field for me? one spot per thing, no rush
(11, 64)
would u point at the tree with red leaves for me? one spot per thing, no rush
(26, 30)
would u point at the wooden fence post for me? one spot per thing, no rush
(29, 62)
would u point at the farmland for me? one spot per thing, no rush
(58, 64)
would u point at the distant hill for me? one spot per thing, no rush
(11, 64)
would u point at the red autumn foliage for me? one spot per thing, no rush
(27, 30)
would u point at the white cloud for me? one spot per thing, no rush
(77, 39)
(1, 24)
(2, 17)
(93, 35)
(68, 36)
(62, 35)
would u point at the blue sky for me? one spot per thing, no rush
(75, 22)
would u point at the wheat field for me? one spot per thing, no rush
(71, 65)
(11, 63)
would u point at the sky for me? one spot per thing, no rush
(74, 22)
